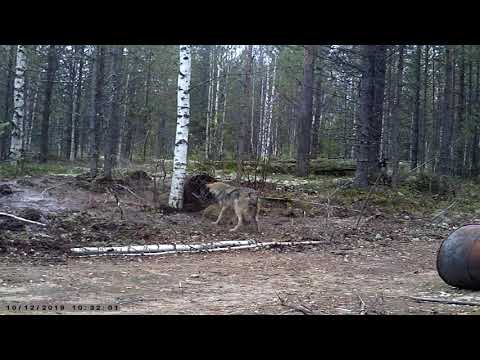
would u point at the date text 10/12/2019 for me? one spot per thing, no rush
(60, 307)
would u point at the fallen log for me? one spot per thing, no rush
(22, 219)
(183, 248)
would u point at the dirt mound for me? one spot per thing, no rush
(5, 189)
(25, 182)
(138, 175)
(98, 184)
(31, 214)
(12, 224)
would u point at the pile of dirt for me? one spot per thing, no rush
(5, 189)
(81, 228)
(20, 238)
(12, 224)
(138, 175)
(25, 182)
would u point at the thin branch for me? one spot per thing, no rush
(445, 301)
(22, 219)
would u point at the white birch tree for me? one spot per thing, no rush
(16, 145)
(181, 139)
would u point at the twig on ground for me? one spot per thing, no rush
(419, 166)
(111, 192)
(22, 219)
(445, 301)
(53, 187)
(131, 192)
(362, 305)
(329, 197)
(444, 211)
(368, 198)
(302, 308)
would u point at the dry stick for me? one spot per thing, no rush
(362, 306)
(21, 219)
(419, 166)
(329, 198)
(303, 309)
(155, 188)
(53, 187)
(445, 301)
(368, 198)
(131, 192)
(111, 192)
(162, 163)
(444, 210)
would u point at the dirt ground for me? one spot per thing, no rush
(372, 269)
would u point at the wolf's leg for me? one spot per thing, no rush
(220, 215)
(238, 212)
(252, 216)
(255, 220)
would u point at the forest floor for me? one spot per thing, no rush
(374, 254)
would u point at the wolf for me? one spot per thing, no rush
(244, 201)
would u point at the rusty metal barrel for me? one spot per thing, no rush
(458, 259)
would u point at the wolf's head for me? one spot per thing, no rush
(215, 187)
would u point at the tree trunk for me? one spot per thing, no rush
(224, 114)
(70, 116)
(367, 54)
(76, 108)
(131, 104)
(214, 125)
(17, 141)
(211, 76)
(316, 117)
(303, 139)
(375, 125)
(470, 125)
(97, 108)
(147, 104)
(269, 112)
(476, 136)
(5, 130)
(183, 120)
(242, 138)
(32, 112)
(459, 145)
(113, 125)
(395, 152)
(414, 137)
(51, 69)
(446, 118)
(423, 123)
(387, 118)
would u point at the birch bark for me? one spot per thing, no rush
(181, 139)
(16, 144)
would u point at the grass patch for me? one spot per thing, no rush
(34, 169)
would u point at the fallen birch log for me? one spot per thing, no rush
(182, 248)
(22, 219)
